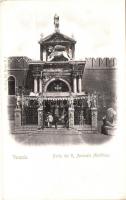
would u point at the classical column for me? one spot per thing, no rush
(44, 55)
(35, 85)
(40, 85)
(74, 84)
(79, 84)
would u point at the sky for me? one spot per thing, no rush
(97, 26)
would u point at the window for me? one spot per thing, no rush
(11, 85)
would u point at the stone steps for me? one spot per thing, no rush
(35, 130)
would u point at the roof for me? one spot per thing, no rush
(56, 37)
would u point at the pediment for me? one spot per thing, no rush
(56, 38)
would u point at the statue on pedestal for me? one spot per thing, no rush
(109, 121)
(93, 101)
(18, 102)
(56, 22)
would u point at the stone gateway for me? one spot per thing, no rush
(52, 87)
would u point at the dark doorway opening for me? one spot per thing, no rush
(11, 85)
(59, 111)
(30, 113)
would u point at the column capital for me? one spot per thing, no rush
(40, 77)
(36, 74)
(79, 75)
(74, 75)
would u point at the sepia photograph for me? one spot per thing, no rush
(62, 99)
(58, 98)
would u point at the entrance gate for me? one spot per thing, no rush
(30, 113)
(82, 113)
(59, 111)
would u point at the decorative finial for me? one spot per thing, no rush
(56, 22)
(72, 35)
(41, 35)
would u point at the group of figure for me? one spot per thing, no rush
(55, 119)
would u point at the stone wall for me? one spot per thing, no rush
(18, 62)
(100, 76)
(17, 67)
(101, 62)
(11, 106)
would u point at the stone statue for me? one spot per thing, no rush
(18, 102)
(109, 122)
(58, 52)
(56, 22)
(93, 101)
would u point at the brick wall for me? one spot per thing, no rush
(100, 76)
(101, 62)
(18, 67)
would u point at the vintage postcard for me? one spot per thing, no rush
(62, 95)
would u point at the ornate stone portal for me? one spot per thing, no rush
(57, 87)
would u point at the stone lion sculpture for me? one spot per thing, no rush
(109, 122)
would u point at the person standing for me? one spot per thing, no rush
(56, 116)
(56, 121)
(50, 120)
(66, 120)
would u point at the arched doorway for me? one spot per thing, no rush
(11, 85)
(30, 113)
(57, 107)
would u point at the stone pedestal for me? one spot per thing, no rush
(17, 117)
(40, 117)
(71, 117)
(94, 117)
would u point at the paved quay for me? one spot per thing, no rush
(50, 136)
